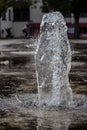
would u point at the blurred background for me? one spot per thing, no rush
(15, 14)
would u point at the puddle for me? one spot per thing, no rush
(17, 64)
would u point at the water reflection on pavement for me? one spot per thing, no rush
(18, 90)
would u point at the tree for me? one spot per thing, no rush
(67, 6)
(4, 4)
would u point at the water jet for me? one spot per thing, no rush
(53, 62)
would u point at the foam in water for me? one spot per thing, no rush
(53, 62)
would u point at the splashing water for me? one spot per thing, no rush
(53, 62)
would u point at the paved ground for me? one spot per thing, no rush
(18, 89)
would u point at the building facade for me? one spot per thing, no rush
(15, 19)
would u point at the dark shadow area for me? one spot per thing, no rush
(9, 85)
(79, 126)
(22, 61)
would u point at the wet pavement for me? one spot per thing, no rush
(78, 74)
(18, 89)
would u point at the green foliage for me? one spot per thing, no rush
(4, 4)
(54, 5)
(64, 5)
(23, 3)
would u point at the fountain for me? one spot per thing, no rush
(19, 107)
(53, 62)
